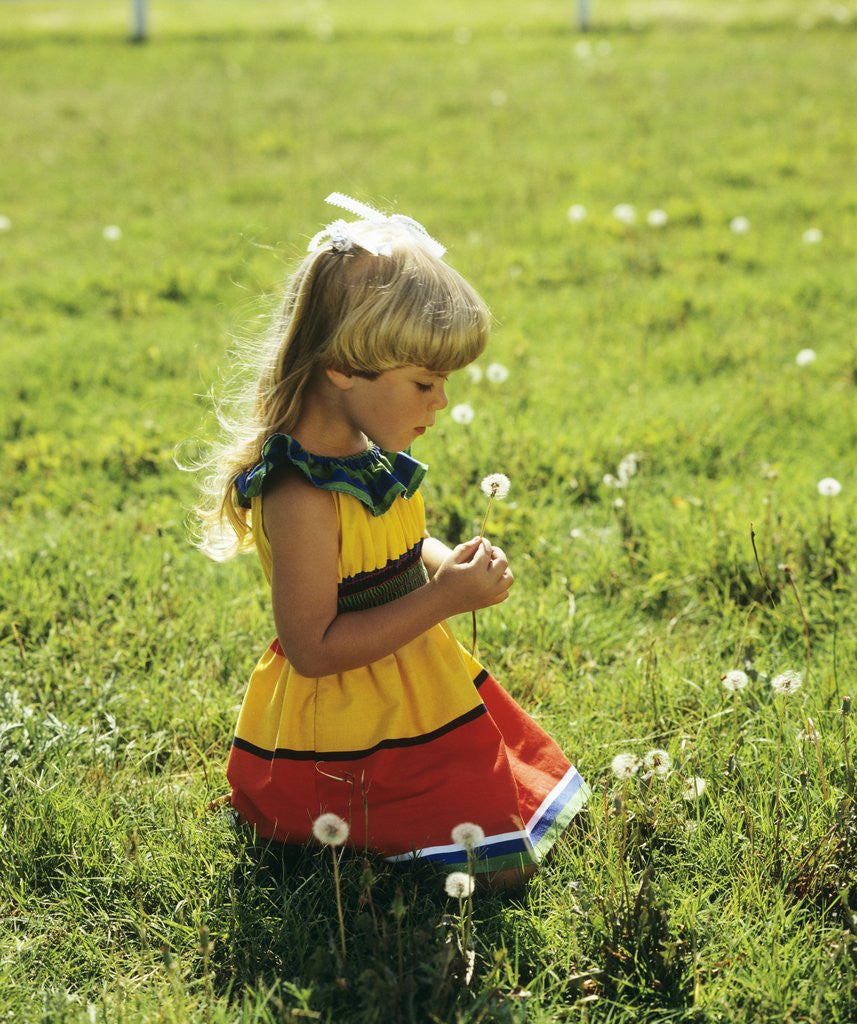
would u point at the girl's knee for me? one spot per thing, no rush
(509, 878)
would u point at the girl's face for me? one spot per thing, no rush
(397, 407)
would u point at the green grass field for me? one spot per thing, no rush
(125, 896)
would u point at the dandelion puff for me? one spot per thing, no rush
(468, 835)
(739, 225)
(627, 467)
(624, 766)
(330, 830)
(575, 533)
(474, 373)
(806, 357)
(495, 485)
(693, 789)
(576, 213)
(458, 884)
(611, 481)
(5, 223)
(812, 236)
(787, 682)
(499, 98)
(462, 414)
(112, 233)
(734, 680)
(656, 218)
(625, 213)
(657, 761)
(829, 487)
(496, 373)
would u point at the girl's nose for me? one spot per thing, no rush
(441, 402)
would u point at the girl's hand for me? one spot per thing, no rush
(475, 575)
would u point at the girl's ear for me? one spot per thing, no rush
(340, 378)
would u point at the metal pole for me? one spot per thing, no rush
(138, 21)
(583, 15)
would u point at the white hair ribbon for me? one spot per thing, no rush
(341, 235)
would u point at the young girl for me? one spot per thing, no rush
(364, 704)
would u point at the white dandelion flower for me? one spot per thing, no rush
(625, 213)
(627, 467)
(734, 680)
(812, 236)
(658, 762)
(499, 98)
(495, 485)
(656, 218)
(583, 49)
(474, 373)
(829, 487)
(611, 481)
(330, 830)
(618, 503)
(576, 213)
(458, 884)
(806, 357)
(5, 223)
(693, 789)
(624, 766)
(496, 373)
(739, 225)
(462, 414)
(468, 835)
(787, 682)
(112, 233)
(575, 533)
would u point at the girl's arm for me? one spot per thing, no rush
(301, 525)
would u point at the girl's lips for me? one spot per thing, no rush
(421, 430)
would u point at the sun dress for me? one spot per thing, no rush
(408, 747)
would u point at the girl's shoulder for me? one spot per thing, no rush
(374, 477)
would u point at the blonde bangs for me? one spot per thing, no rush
(408, 308)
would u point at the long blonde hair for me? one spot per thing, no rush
(352, 310)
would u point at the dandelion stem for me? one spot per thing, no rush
(482, 525)
(338, 900)
(778, 809)
(813, 734)
(806, 634)
(849, 773)
(759, 567)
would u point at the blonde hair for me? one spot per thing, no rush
(352, 310)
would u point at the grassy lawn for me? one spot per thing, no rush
(126, 894)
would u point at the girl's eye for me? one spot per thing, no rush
(424, 387)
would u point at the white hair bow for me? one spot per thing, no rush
(341, 234)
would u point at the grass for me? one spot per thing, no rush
(125, 896)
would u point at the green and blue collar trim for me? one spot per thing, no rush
(374, 477)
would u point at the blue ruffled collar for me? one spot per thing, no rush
(374, 477)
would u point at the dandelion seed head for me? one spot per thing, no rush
(812, 236)
(693, 788)
(624, 766)
(787, 682)
(474, 373)
(657, 761)
(806, 357)
(735, 679)
(739, 225)
(575, 533)
(618, 503)
(495, 485)
(458, 884)
(576, 213)
(462, 414)
(5, 223)
(496, 373)
(468, 835)
(112, 233)
(628, 467)
(330, 830)
(829, 487)
(656, 218)
(625, 213)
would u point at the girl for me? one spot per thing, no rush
(364, 704)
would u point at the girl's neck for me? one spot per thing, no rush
(322, 429)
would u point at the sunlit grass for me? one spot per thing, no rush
(126, 893)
